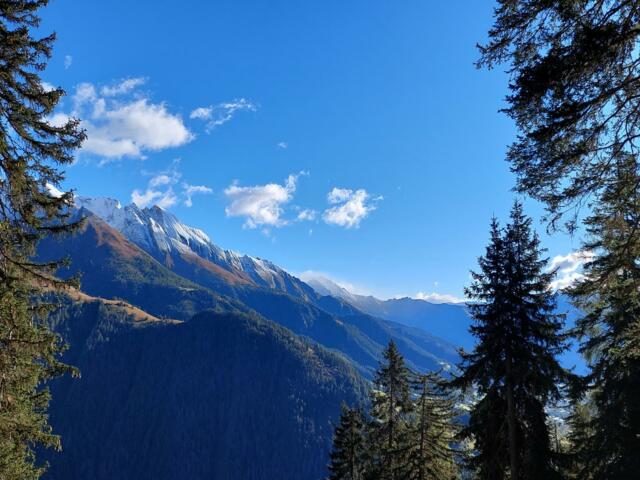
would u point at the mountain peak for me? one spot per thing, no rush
(325, 286)
(161, 234)
(151, 228)
(103, 207)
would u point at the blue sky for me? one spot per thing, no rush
(351, 138)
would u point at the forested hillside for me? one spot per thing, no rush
(217, 396)
(111, 266)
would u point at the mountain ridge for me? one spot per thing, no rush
(174, 243)
(114, 267)
(449, 321)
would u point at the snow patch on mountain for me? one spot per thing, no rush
(159, 232)
(325, 286)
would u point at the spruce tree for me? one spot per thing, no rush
(486, 426)
(579, 437)
(409, 433)
(609, 296)
(391, 407)
(349, 447)
(513, 365)
(32, 150)
(432, 432)
(575, 77)
(574, 94)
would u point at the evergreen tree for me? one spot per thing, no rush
(579, 437)
(349, 447)
(409, 433)
(486, 432)
(482, 367)
(431, 432)
(31, 152)
(574, 96)
(513, 365)
(391, 407)
(575, 80)
(610, 328)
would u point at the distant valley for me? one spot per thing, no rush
(166, 315)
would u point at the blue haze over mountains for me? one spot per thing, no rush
(141, 250)
(182, 345)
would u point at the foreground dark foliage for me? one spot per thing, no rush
(32, 150)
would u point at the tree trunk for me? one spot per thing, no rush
(391, 432)
(423, 428)
(511, 422)
(352, 454)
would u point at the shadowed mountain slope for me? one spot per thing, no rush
(218, 396)
(114, 267)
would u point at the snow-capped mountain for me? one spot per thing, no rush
(324, 286)
(190, 253)
(152, 229)
(161, 234)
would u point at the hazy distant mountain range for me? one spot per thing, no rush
(191, 351)
(450, 322)
(189, 252)
(445, 320)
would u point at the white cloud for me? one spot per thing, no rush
(568, 268)
(216, 115)
(351, 207)
(162, 179)
(46, 86)
(58, 119)
(149, 126)
(191, 190)
(123, 87)
(306, 214)
(201, 113)
(85, 93)
(283, 145)
(163, 199)
(53, 190)
(566, 281)
(68, 60)
(338, 195)
(160, 189)
(130, 129)
(261, 204)
(121, 123)
(571, 262)
(434, 297)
